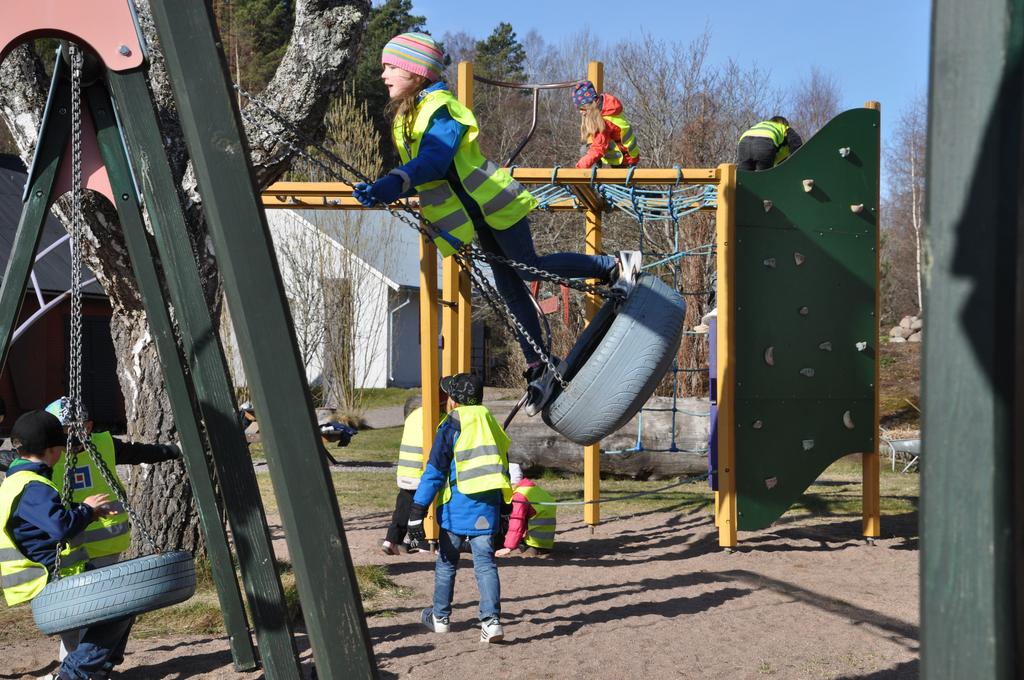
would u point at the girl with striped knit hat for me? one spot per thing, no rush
(461, 192)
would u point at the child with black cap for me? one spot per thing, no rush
(33, 523)
(469, 465)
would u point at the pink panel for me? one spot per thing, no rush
(94, 174)
(106, 26)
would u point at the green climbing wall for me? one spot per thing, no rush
(806, 333)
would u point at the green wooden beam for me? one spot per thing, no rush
(143, 263)
(971, 470)
(309, 509)
(50, 145)
(215, 396)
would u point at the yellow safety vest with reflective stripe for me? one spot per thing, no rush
(775, 132)
(540, 529)
(481, 453)
(410, 451)
(106, 537)
(502, 200)
(613, 154)
(21, 578)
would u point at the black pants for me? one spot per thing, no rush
(400, 517)
(755, 153)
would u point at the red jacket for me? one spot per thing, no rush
(610, 106)
(522, 511)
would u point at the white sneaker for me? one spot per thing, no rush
(629, 270)
(49, 676)
(491, 631)
(434, 624)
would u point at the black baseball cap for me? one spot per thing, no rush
(36, 431)
(466, 389)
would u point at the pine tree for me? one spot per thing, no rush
(386, 21)
(501, 56)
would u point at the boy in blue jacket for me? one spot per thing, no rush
(469, 465)
(33, 521)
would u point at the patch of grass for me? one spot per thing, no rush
(376, 397)
(379, 445)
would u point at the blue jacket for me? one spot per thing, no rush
(464, 515)
(39, 521)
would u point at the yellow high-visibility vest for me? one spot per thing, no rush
(502, 200)
(540, 529)
(613, 155)
(106, 537)
(410, 451)
(21, 578)
(481, 453)
(775, 132)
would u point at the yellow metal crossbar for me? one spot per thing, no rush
(338, 195)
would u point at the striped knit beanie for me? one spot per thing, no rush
(416, 53)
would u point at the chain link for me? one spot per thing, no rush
(467, 256)
(76, 430)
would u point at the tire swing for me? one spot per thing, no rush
(617, 363)
(134, 586)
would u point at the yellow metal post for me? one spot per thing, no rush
(592, 453)
(871, 467)
(725, 238)
(451, 312)
(428, 358)
(464, 299)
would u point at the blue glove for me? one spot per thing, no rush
(385, 190)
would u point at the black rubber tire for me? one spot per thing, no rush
(618, 362)
(115, 592)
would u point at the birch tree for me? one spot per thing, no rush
(322, 48)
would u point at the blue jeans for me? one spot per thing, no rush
(516, 243)
(101, 648)
(484, 568)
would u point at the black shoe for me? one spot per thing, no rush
(541, 387)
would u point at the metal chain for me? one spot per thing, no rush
(466, 256)
(74, 418)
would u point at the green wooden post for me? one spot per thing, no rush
(972, 344)
(214, 393)
(309, 508)
(52, 140)
(112, 150)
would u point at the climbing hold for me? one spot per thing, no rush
(808, 185)
(771, 482)
(848, 420)
(807, 372)
(808, 444)
(825, 346)
(798, 258)
(757, 424)
(769, 356)
(858, 208)
(804, 311)
(769, 262)
(861, 346)
(844, 152)
(767, 205)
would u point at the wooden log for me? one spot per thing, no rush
(537, 447)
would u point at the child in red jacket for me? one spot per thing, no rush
(604, 127)
(532, 522)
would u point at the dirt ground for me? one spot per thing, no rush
(647, 595)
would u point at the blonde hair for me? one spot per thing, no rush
(404, 107)
(591, 122)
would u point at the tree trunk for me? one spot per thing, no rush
(536, 446)
(323, 47)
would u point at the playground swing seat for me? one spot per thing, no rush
(127, 588)
(617, 362)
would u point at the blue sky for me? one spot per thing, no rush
(874, 49)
